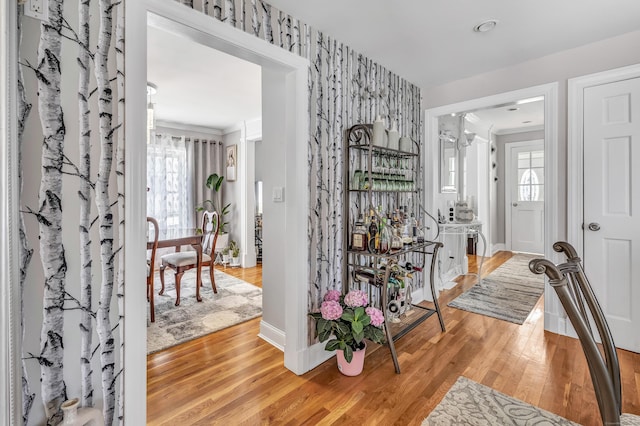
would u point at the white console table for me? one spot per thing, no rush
(453, 260)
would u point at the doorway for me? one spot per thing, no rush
(548, 94)
(285, 120)
(524, 196)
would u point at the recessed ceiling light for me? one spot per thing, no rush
(513, 109)
(485, 26)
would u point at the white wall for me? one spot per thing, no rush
(600, 56)
(273, 159)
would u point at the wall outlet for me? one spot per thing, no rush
(38, 9)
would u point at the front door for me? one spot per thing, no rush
(524, 196)
(611, 220)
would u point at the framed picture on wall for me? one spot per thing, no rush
(232, 162)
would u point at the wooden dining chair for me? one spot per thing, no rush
(581, 305)
(151, 265)
(183, 261)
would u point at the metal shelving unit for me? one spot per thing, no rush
(383, 179)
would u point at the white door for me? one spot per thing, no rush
(524, 196)
(611, 220)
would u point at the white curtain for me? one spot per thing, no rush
(169, 182)
(205, 158)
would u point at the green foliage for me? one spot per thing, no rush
(214, 183)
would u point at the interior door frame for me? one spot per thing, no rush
(507, 189)
(230, 40)
(10, 332)
(552, 208)
(575, 142)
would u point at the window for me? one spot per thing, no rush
(531, 176)
(168, 182)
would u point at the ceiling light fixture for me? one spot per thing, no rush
(485, 26)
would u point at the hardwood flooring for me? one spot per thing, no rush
(234, 377)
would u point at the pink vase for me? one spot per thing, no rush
(356, 365)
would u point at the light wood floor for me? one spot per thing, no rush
(233, 377)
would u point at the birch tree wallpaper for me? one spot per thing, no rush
(70, 119)
(72, 170)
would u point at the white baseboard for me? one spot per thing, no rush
(317, 355)
(299, 362)
(272, 335)
(555, 323)
(496, 248)
(421, 294)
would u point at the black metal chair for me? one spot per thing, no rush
(582, 307)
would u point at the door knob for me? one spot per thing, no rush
(593, 226)
(515, 204)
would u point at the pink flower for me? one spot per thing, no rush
(356, 298)
(331, 310)
(377, 318)
(332, 295)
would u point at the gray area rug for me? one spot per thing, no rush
(470, 403)
(236, 301)
(508, 293)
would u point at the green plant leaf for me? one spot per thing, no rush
(359, 313)
(365, 320)
(375, 334)
(357, 327)
(214, 182)
(342, 329)
(324, 335)
(358, 336)
(348, 315)
(348, 354)
(332, 345)
(323, 324)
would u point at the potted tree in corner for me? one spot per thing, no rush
(214, 183)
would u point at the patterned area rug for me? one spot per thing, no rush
(236, 301)
(509, 293)
(470, 403)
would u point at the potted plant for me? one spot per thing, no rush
(226, 257)
(214, 183)
(235, 253)
(348, 320)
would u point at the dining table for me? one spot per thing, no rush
(179, 237)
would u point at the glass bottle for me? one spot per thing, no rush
(396, 242)
(385, 237)
(373, 233)
(359, 236)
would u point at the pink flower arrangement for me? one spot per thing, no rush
(333, 295)
(349, 320)
(331, 310)
(377, 318)
(356, 298)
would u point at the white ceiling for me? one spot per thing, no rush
(201, 86)
(432, 42)
(427, 42)
(506, 118)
